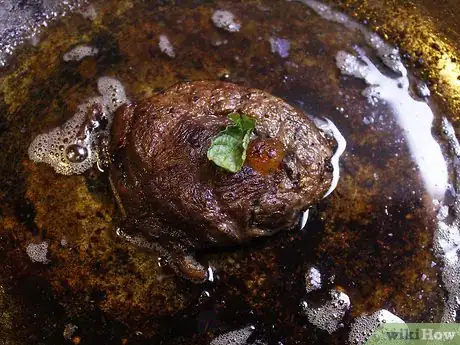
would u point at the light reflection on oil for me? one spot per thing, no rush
(411, 28)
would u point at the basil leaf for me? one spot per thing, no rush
(228, 148)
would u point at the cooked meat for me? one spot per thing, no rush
(172, 194)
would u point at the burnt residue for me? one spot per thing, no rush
(370, 238)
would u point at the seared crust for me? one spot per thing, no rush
(173, 193)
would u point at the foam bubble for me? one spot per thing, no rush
(80, 52)
(449, 133)
(364, 326)
(328, 316)
(312, 280)
(166, 46)
(447, 234)
(17, 26)
(38, 252)
(280, 46)
(53, 147)
(225, 20)
(350, 65)
(238, 337)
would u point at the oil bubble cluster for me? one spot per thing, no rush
(329, 315)
(63, 148)
(447, 233)
(17, 26)
(364, 326)
(38, 252)
(312, 280)
(238, 337)
(80, 52)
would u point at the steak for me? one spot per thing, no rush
(182, 202)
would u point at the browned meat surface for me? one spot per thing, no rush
(181, 201)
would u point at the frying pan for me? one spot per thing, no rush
(66, 274)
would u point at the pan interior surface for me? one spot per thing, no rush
(383, 246)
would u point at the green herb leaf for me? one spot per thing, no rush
(228, 148)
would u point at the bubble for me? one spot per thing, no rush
(166, 47)
(80, 52)
(312, 280)
(62, 149)
(280, 46)
(38, 252)
(447, 234)
(350, 65)
(364, 326)
(329, 315)
(22, 21)
(237, 337)
(76, 153)
(225, 20)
